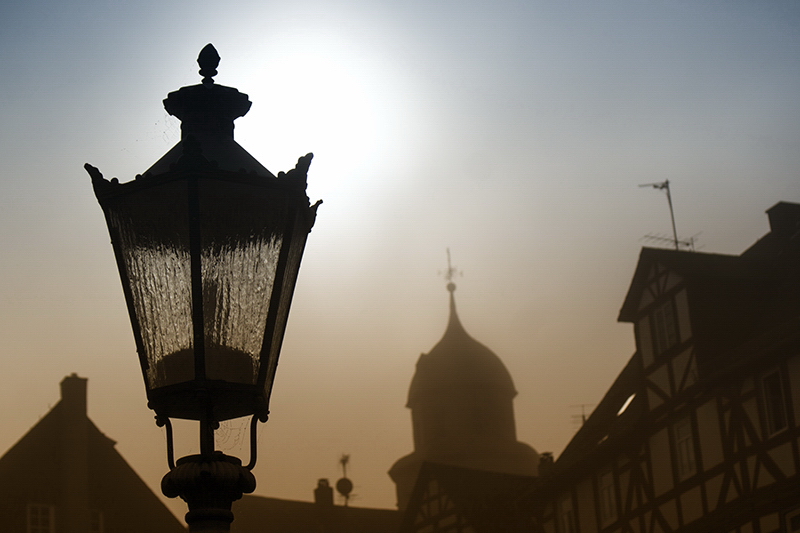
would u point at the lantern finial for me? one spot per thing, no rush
(208, 61)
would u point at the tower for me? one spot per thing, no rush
(461, 401)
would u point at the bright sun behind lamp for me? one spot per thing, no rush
(208, 244)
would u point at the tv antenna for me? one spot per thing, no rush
(581, 418)
(344, 486)
(664, 186)
(687, 243)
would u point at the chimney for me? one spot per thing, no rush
(74, 456)
(73, 394)
(784, 219)
(323, 494)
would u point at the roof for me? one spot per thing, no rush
(258, 514)
(773, 262)
(608, 423)
(487, 500)
(698, 266)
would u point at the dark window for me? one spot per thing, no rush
(566, 516)
(793, 521)
(96, 522)
(608, 506)
(684, 447)
(41, 518)
(774, 402)
(665, 327)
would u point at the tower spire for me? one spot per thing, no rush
(450, 275)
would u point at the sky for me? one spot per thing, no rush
(514, 133)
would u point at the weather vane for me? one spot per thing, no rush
(451, 273)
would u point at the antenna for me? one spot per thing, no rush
(664, 186)
(344, 486)
(687, 243)
(581, 417)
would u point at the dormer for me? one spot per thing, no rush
(658, 306)
(689, 310)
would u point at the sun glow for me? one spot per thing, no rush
(325, 101)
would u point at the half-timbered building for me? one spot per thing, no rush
(453, 499)
(701, 430)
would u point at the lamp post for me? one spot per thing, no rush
(208, 245)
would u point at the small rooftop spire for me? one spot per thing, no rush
(454, 323)
(208, 61)
(450, 274)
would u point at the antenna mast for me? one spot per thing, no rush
(664, 186)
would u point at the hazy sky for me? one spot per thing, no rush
(515, 133)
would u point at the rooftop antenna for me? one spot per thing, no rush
(344, 486)
(582, 416)
(664, 186)
(687, 243)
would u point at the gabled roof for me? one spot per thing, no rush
(772, 262)
(695, 265)
(65, 461)
(488, 501)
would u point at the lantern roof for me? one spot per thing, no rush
(207, 111)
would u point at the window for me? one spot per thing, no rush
(793, 521)
(665, 327)
(626, 404)
(608, 505)
(96, 522)
(774, 402)
(566, 516)
(684, 448)
(41, 518)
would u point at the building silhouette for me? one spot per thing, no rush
(65, 476)
(699, 433)
(461, 401)
(258, 514)
(701, 430)
(464, 500)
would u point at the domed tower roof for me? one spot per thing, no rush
(461, 401)
(458, 363)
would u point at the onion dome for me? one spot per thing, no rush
(459, 364)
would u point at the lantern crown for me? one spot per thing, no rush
(207, 111)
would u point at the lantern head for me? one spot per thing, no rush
(208, 244)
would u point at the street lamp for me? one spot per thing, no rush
(208, 244)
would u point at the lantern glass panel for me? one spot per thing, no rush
(242, 232)
(296, 245)
(153, 237)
